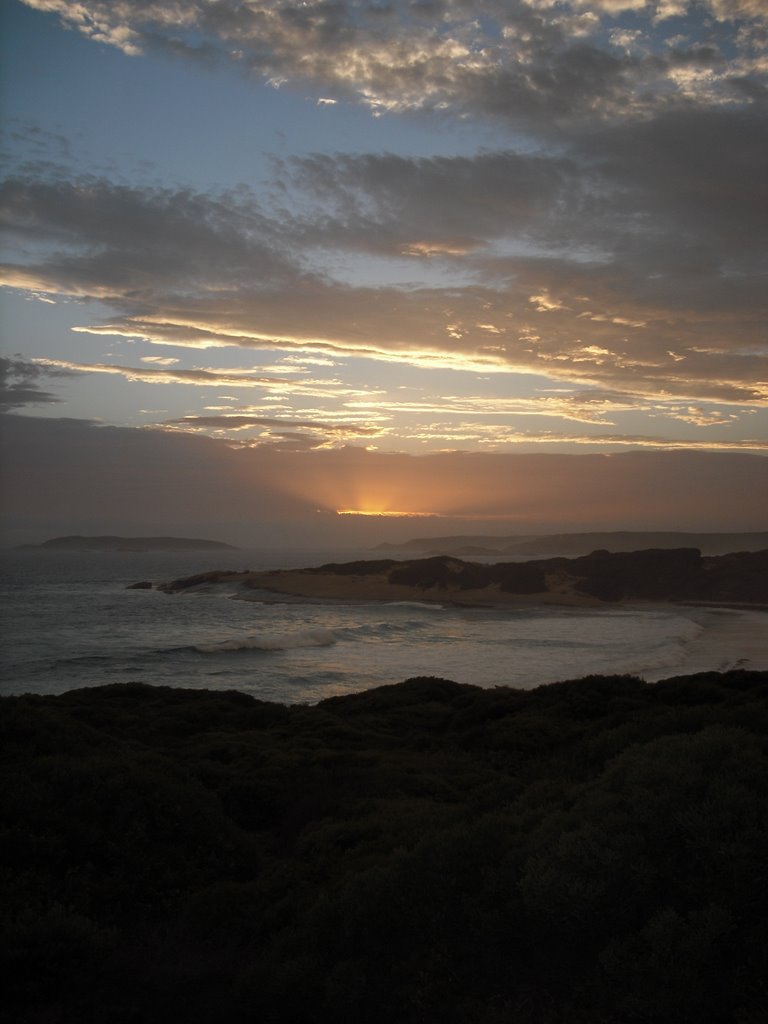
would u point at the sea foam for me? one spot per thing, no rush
(272, 642)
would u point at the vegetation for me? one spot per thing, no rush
(590, 852)
(662, 574)
(668, 574)
(359, 568)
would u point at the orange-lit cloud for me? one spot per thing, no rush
(308, 434)
(167, 375)
(595, 320)
(160, 360)
(457, 247)
(582, 408)
(386, 513)
(597, 224)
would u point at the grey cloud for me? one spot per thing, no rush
(35, 146)
(699, 55)
(400, 199)
(652, 294)
(125, 240)
(519, 60)
(674, 211)
(20, 383)
(646, 241)
(577, 81)
(640, 205)
(699, 171)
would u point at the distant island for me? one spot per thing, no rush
(110, 543)
(572, 544)
(659, 575)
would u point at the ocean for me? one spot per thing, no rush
(69, 621)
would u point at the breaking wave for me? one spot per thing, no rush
(272, 642)
(430, 606)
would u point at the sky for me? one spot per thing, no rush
(491, 262)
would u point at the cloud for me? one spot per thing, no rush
(165, 374)
(393, 204)
(527, 60)
(617, 244)
(500, 438)
(584, 407)
(632, 281)
(19, 383)
(116, 242)
(112, 480)
(298, 434)
(160, 360)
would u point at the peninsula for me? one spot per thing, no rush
(660, 575)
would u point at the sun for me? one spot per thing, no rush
(386, 513)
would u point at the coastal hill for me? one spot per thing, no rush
(682, 574)
(572, 544)
(109, 543)
(589, 852)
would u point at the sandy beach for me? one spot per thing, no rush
(733, 636)
(314, 585)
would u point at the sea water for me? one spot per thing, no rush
(69, 620)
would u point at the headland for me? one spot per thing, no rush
(116, 543)
(601, 578)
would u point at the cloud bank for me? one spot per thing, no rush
(612, 243)
(109, 479)
(20, 383)
(641, 284)
(525, 59)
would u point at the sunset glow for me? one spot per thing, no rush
(386, 513)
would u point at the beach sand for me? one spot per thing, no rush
(376, 587)
(731, 638)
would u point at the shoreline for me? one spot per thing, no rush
(730, 634)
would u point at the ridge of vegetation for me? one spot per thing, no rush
(592, 851)
(656, 574)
